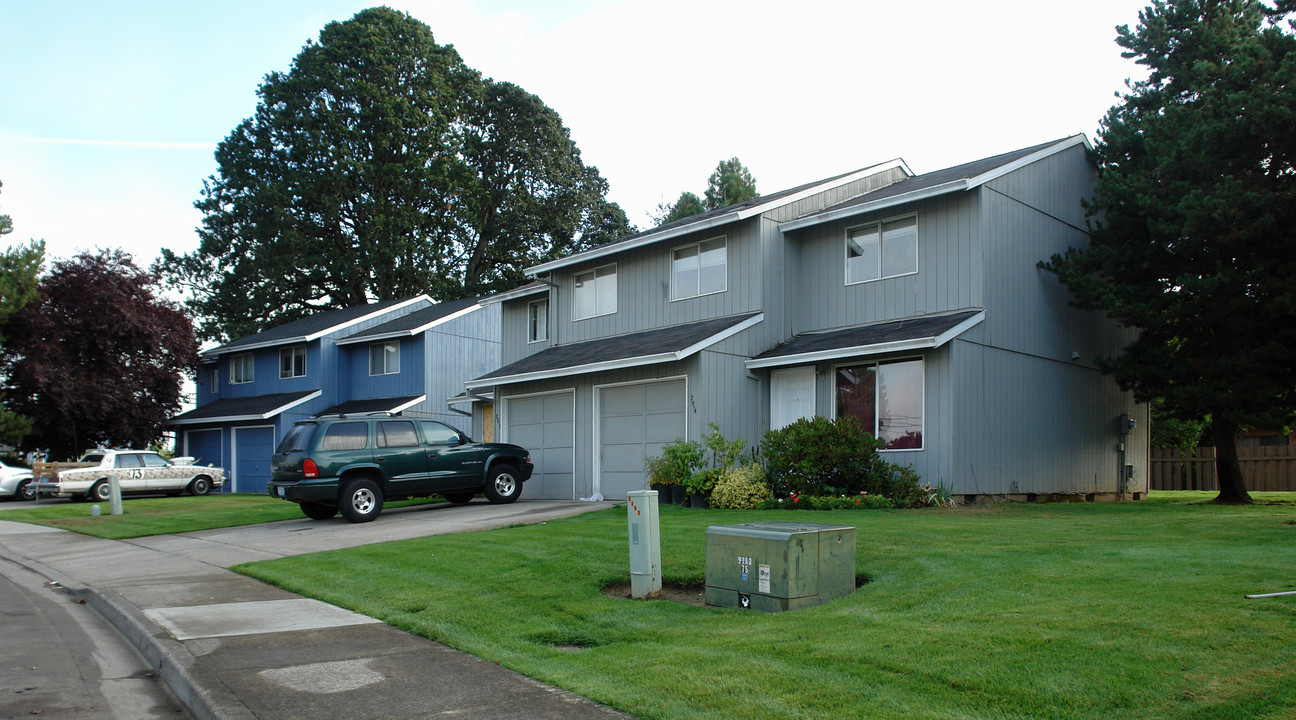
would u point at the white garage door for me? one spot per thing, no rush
(635, 421)
(543, 424)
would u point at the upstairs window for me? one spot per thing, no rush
(292, 362)
(882, 250)
(699, 269)
(595, 293)
(538, 321)
(384, 358)
(241, 369)
(213, 380)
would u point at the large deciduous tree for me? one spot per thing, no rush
(97, 357)
(1191, 237)
(380, 166)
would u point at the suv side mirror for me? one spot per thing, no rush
(464, 439)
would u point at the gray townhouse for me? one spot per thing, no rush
(913, 302)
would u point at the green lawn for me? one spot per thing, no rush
(160, 516)
(1130, 610)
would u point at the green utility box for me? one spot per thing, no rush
(777, 566)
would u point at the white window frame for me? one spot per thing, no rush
(832, 407)
(593, 284)
(246, 361)
(677, 293)
(881, 251)
(536, 322)
(295, 350)
(384, 370)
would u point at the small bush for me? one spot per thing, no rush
(743, 488)
(702, 482)
(677, 463)
(830, 458)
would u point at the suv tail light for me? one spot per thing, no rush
(309, 468)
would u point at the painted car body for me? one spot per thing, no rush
(138, 471)
(16, 483)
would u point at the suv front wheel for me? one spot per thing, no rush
(361, 501)
(502, 484)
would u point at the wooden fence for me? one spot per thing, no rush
(1263, 468)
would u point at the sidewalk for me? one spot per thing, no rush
(231, 647)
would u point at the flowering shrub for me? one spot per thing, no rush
(742, 488)
(862, 501)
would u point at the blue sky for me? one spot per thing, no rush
(110, 112)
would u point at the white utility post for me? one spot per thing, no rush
(645, 544)
(114, 494)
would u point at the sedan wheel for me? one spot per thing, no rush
(502, 485)
(25, 490)
(101, 491)
(200, 485)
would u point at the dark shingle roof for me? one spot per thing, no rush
(256, 406)
(310, 325)
(966, 171)
(411, 321)
(929, 326)
(370, 405)
(671, 339)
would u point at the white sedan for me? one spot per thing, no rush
(16, 483)
(138, 471)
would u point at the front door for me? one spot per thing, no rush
(792, 395)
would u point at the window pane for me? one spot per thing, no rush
(855, 394)
(862, 254)
(686, 272)
(129, 461)
(299, 362)
(437, 434)
(538, 321)
(606, 291)
(375, 360)
(396, 433)
(345, 436)
(583, 296)
(298, 439)
(285, 364)
(900, 247)
(152, 460)
(900, 404)
(391, 351)
(713, 266)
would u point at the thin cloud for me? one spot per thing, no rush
(144, 144)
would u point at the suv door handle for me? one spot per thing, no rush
(380, 459)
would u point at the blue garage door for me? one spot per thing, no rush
(204, 446)
(252, 450)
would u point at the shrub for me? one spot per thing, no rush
(677, 463)
(702, 482)
(743, 488)
(821, 457)
(862, 501)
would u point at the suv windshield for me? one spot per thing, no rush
(298, 438)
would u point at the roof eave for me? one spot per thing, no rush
(923, 343)
(298, 339)
(357, 339)
(250, 416)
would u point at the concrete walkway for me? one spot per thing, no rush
(232, 647)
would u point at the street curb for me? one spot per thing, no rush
(204, 696)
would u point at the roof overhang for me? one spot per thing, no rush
(921, 342)
(361, 338)
(374, 405)
(953, 186)
(689, 228)
(621, 363)
(528, 290)
(244, 417)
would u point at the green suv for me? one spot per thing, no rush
(353, 464)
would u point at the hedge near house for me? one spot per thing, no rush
(818, 456)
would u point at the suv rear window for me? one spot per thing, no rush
(298, 439)
(396, 433)
(345, 436)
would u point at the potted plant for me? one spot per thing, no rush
(669, 472)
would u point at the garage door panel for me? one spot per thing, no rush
(663, 427)
(543, 425)
(623, 429)
(665, 396)
(622, 401)
(623, 458)
(636, 421)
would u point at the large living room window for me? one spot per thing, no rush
(699, 269)
(887, 399)
(595, 293)
(882, 250)
(241, 368)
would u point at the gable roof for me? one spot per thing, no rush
(312, 327)
(648, 347)
(927, 331)
(414, 323)
(952, 179)
(717, 217)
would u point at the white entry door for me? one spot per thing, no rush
(792, 395)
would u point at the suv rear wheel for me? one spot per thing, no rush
(502, 484)
(361, 500)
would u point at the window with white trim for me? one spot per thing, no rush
(292, 362)
(384, 358)
(538, 321)
(595, 293)
(242, 369)
(887, 399)
(699, 269)
(882, 250)
(213, 380)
